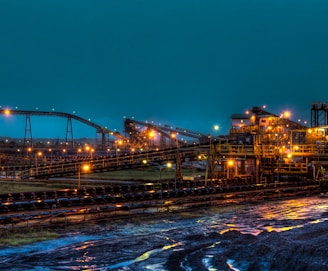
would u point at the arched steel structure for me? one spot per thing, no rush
(69, 128)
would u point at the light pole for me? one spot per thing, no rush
(178, 173)
(230, 164)
(85, 168)
(209, 156)
(50, 150)
(79, 177)
(161, 167)
(161, 184)
(36, 163)
(79, 151)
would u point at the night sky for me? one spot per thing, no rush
(185, 63)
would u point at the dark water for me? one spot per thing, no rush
(188, 240)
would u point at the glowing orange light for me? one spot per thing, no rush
(7, 112)
(231, 163)
(85, 167)
(151, 134)
(286, 114)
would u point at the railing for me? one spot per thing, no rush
(105, 164)
(283, 168)
(265, 151)
(309, 149)
(234, 149)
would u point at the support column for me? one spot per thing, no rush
(28, 133)
(69, 130)
(178, 171)
(257, 170)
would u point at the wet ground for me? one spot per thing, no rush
(277, 235)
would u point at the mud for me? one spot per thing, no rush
(271, 236)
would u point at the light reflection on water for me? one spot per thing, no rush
(230, 264)
(273, 216)
(94, 252)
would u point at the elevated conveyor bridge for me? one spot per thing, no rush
(137, 131)
(69, 128)
(119, 162)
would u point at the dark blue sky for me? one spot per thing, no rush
(184, 62)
